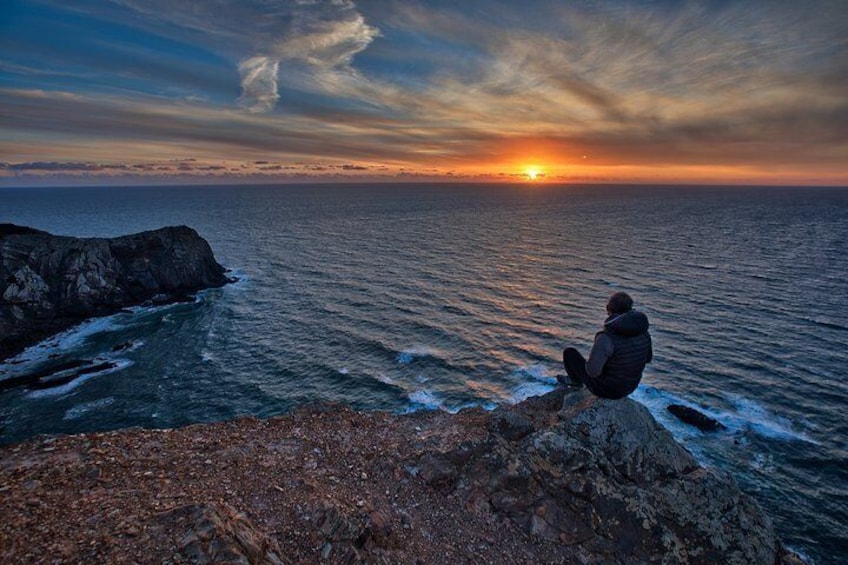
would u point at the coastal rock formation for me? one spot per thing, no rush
(695, 418)
(49, 283)
(608, 479)
(561, 478)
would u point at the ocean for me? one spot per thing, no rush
(422, 297)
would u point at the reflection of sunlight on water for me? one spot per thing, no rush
(487, 389)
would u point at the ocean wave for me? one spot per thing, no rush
(748, 415)
(406, 356)
(384, 378)
(242, 279)
(81, 409)
(537, 371)
(68, 340)
(752, 415)
(428, 400)
(525, 390)
(425, 399)
(64, 389)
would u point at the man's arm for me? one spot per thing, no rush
(602, 350)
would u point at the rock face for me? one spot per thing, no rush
(49, 283)
(605, 478)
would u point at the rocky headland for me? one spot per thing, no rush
(49, 283)
(561, 478)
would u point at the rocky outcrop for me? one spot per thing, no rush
(605, 478)
(561, 478)
(221, 535)
(49, 283)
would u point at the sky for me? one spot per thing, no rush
(238, 91)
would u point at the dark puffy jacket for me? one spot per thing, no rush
(627, 345)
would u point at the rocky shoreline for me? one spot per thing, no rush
(561, 478)
(50, 283)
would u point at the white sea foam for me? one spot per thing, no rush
(747, 416)
(406, 356)
(758, 418)
(344, 371)
(526, 390)
(488, 406)
(207, 356)
(61, 390)
(61, 342)
(540, 382)
(385, 379)
(242, 278)
(80, 409)
(425, 399)
(537, 371)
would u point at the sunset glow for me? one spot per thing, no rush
(534, 174)
(136, 91)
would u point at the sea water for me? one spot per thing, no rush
(422, 297)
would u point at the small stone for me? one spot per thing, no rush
(364, 476)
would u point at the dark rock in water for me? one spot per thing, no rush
(695, 418)
(605, 477)
(122, 346)
(49, 283)
(54, 381)
(30, 379)
(56, 374)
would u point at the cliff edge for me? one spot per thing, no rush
(561, 478)
(49, 283)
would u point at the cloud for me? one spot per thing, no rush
(322, 36)
(259, 83)
(463, 85)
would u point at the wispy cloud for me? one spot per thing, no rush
(324, 36)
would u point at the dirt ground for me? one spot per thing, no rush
(323, 484)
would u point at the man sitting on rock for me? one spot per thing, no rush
(618, 356)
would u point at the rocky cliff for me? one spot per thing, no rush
(563, 478)
(49, 283)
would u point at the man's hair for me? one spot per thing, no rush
(619, 303)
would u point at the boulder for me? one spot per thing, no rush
(695, 418)
(49, 283)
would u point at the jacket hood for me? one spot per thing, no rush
(629, 324)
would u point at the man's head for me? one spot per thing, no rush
(619, 303)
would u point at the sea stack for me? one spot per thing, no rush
(49, 283)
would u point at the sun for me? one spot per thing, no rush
(533, 173)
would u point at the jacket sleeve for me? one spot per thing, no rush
(602, 350)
